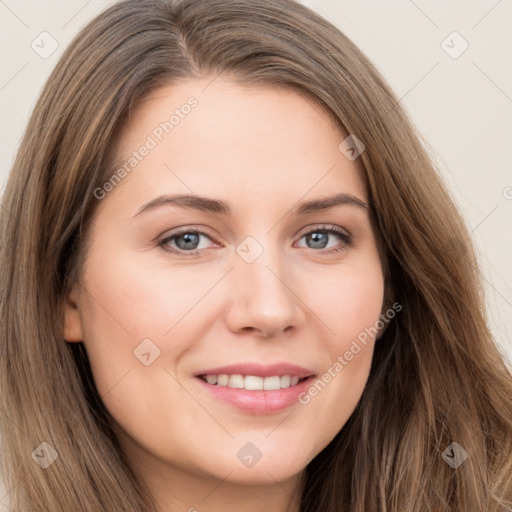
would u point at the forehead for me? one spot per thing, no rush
(215, 137)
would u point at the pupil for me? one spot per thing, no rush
(191, 238)
(316, 237)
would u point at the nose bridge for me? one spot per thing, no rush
(262, 295)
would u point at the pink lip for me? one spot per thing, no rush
(261, 401)
(259, 370)
(258, 401)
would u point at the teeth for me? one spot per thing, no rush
(252, 382)
(236, 381)
(211, 379)
(222, 380)
(272, 383)
(286, 381)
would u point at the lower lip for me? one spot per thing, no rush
(261, 401)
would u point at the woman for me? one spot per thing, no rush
(233, 280)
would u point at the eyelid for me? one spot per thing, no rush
(162, 241)
(325, 227)
(343, 233)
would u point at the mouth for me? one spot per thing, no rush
(253, 382)
(256, 389)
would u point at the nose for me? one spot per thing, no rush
(265, 299)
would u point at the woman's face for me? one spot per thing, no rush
(262, 286)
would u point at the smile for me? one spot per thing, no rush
(255, 401)
(252, 382)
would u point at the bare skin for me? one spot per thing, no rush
(263, 151)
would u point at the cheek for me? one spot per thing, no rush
(129, 305)
(360, 301)
(351, 307)
(349, 300)
(137, 298)
(123, 315)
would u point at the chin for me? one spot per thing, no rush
(266, 470)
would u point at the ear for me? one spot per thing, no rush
(73, 323)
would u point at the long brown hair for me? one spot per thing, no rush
(437, 377)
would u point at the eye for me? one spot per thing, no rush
(318, 237)
(187, 241)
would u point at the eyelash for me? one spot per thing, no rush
(346, 240)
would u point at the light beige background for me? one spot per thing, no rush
(462, 106)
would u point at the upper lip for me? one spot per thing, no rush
(258, 370)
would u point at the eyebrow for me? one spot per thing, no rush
(209, 205)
